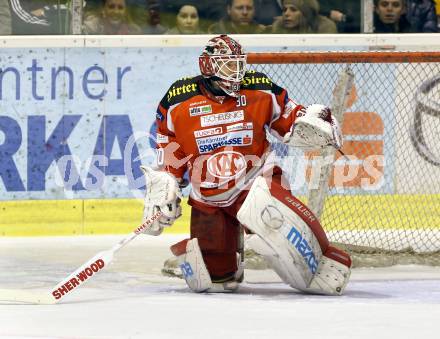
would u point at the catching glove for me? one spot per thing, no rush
(162, 194)
(315, 128)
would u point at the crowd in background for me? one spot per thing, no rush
(217, 16)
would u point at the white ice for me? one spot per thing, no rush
(132, 299)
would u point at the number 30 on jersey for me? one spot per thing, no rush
(241, 101)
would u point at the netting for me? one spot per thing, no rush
(382, 202)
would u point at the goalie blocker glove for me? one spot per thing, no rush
(314, 128)
(162, 194)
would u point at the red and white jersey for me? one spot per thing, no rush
(221, 141)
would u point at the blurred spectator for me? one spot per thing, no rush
(210, 11)
(187, 21)
(389, 18)
(131, 4)
(39, 17)
(345, 14)
(301, 16)
(421, 15)
(239, 20)
(5, 18)
(317, 23)
(267, 11)
(153, 18)
(293, 19)
(112, 18)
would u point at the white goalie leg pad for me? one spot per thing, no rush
(286, 234)
(331, 278)
(225, 287)
(254, 242)
(191, 263)
(194, 271)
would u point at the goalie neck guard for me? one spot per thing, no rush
(224, 62)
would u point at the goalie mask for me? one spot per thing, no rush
(224, 62)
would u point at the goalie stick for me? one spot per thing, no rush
(77, 278)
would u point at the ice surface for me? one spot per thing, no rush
(132, 299)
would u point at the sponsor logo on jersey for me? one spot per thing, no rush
(238, 138)
(256, 80)
(226, 165)
(184, 89)
(162, 139)
(240, 126)
(200, 110)
(303, 247)
(198, 103)
(208, 132)
(221, 118)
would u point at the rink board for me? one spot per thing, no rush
(77, 121)
(116, 216)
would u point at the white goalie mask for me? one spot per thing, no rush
(427, 108)
(224, 61)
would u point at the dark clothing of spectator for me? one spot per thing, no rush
(422, 16)
(267, 11)
(227, 27)
(351, 10)
(54, 18)
(157, 29)
(324, 25)
(5, 18)
(318, 23)
(23, 22)
(212, 10)
(403, 26)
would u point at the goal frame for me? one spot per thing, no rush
(343, 57)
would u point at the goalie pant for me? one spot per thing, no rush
(218, 230)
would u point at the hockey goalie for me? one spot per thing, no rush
(213, 127)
